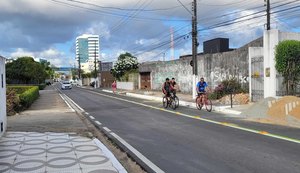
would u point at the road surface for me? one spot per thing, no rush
(180, 144)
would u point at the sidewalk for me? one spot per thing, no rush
(50, 137)
(184, 100)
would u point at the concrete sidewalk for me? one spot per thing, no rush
(184, 100)
(51, 137)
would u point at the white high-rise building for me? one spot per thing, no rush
(87, 51)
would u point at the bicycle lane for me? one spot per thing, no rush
(238, 122)
(162, 137)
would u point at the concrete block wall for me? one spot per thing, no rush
(271, 40)
(213, 67)
(3, 118)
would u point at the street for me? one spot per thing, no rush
(180, 144)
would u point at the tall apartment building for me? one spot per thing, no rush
(87, 49)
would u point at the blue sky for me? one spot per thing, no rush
(48, 28)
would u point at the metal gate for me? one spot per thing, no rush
(257, 78)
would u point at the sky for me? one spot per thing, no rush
(48, 29)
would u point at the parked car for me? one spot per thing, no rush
(66, 85)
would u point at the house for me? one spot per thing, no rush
(3, 119)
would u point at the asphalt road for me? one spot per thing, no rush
(180, 144)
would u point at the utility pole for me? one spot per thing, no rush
(194, 46)
(268, 14)
(172, 44)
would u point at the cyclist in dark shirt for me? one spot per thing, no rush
(167, 88)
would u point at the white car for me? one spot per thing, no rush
(66, 85)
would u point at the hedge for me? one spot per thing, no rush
(27, 94)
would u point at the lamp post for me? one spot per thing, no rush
(79, 70)
(95, 65)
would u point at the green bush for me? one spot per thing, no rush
(213, 96)
(18, 89)
(227, 87)
(26, 95)
(29, 96)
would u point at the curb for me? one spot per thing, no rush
(110, 155)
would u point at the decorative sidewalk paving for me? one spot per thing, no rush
(54, 153)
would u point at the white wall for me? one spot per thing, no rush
(3, 119)
(125, 85)
(271, 40)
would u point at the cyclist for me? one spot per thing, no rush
(173, 83)
(201, 86)
(167, 88)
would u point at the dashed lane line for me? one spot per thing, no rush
(97, 122)
(67, 103)
(206, 120)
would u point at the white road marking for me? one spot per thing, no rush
(97, 122)
(91, 117)
(67, 103)
(74, 103)
(106, 129)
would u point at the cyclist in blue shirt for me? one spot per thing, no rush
(201, 86)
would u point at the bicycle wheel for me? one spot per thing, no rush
(176, 99)
(208, 105)
(198, 104)
(165, 102)
(173, 104)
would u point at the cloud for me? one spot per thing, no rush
(52, 55)
(97, 28)
(31, 26)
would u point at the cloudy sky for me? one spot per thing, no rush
(48, 28)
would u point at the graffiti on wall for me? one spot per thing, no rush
(218, 74)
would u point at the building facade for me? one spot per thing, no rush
(87, 52)
(3, 119)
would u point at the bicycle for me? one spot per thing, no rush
(176, 99)
(172, 102)
(203, 100)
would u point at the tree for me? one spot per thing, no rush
(25, 70)
(126, 63)
(49, 71)
(287, 59)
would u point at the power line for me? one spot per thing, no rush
(185, 7)
(97, 11)
(124, 9)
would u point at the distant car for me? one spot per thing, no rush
(66, 85)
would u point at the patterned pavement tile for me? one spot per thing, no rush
(33, 152)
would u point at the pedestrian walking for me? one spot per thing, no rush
(114, 86)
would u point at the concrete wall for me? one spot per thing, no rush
(271, 40)
(125, 85)
(3, 118)
(213, 67)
